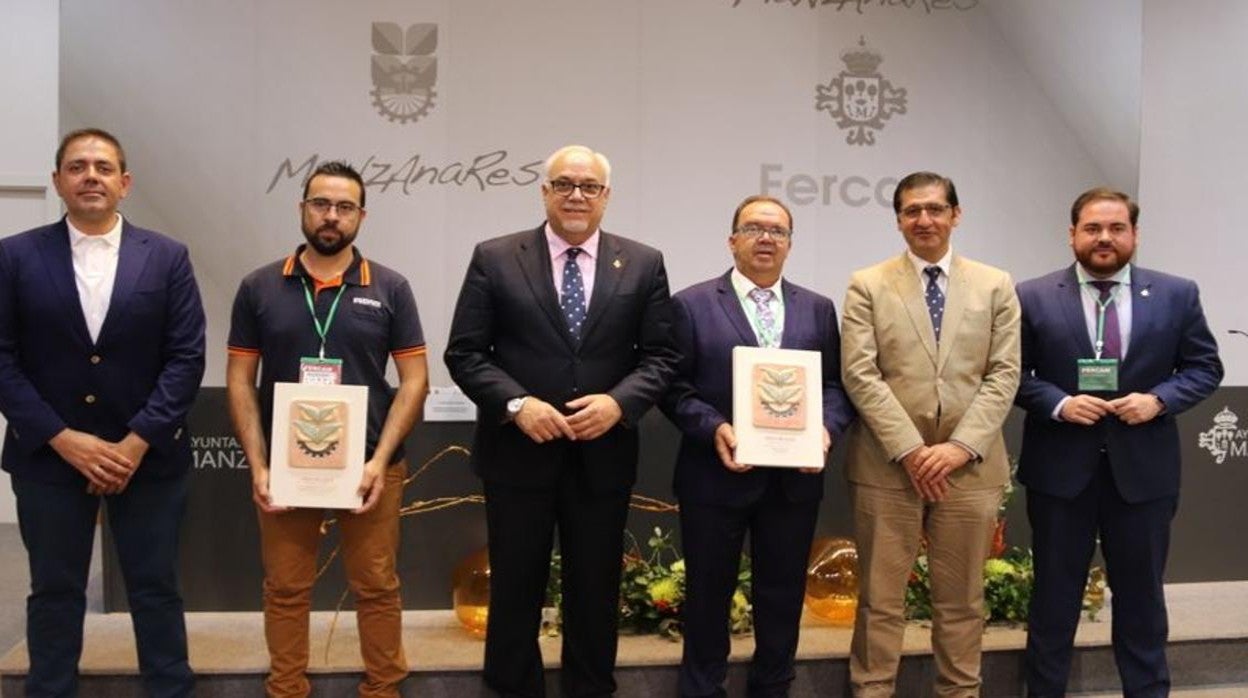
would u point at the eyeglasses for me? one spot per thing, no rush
(753, 230)
(589, 190)
(343, 208)
(933, 211)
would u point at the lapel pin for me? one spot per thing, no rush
(1144, 292)
(617, 264)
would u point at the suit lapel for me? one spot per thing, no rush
(533, 256)
(131, 259)
(1070, 299)
(791, 315)
(731, 305)
(609, 268)
(906, 284)
(1141, 308)
(59, 265)
(955, 301)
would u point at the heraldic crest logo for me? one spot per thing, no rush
(404, 70)
(1223, 439)
(859, 98)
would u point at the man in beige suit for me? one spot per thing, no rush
(930, 357)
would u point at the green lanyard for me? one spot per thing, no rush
(322, 330)
(1100, 316)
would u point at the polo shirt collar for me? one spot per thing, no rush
(358, 273)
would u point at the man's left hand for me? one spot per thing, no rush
(371, 485)
(940, 461)
(133, 447)
(594, 415)
(1137, 408)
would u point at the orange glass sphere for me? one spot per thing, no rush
(832, 580)
(470, 591)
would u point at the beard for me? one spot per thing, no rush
(1101, 266)
(329, 239)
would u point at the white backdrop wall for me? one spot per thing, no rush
(1193, 155)
(698, 103)
(28, 133)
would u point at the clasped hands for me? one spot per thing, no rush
(108, 466)
(726, 447)
(929, 468)
(592, 416)
(1132, 409)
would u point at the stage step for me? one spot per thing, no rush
(1208, 654)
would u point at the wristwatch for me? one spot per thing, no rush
(514, 406)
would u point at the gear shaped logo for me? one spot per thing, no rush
(404, 70)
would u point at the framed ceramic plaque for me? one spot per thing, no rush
(777, 406)
(316, 458)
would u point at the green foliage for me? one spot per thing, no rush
(652, 589)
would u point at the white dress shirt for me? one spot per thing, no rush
(95, 270)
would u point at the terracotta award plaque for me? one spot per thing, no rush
(317, 454)
(777, 407)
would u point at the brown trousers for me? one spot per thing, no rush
(288, 544)
(889, 525)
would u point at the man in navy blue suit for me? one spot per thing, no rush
(722, 499)
(1111, 354)
(101, 354)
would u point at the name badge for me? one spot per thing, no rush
(1098, 375)
(317, 371)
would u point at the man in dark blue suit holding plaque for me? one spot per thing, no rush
(1111, 354)
(721, 499)
(101, 354)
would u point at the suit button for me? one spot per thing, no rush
(95, 358)
(90, 399)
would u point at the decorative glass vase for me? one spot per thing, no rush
(832, 580)
(470, 591)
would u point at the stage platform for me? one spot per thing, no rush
(1208, 654)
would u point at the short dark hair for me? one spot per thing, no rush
(759, 198)
(335, 168)
(914, 180)
(1103, 194)
(90, 133)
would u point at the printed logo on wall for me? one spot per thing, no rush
(1225, 438)
(404, 70)
(859, 98)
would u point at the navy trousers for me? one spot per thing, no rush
(1135, 539)
(57, 525)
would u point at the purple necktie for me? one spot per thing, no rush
(1110, 334)
(766, 319)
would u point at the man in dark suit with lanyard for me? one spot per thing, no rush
(720, 498)
(1111, 354)
(561, 336)
(101, 354)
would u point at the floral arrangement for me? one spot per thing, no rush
(652, 590)
(1008, 578)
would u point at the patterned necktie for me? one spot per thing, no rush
(1110, 334)
(935, 299)
(572, 295)
(766, 319)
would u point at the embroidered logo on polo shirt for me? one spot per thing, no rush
(370, 302)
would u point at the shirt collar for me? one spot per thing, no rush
(920, 264)
(358, 273)
(112, 238)
(743, 285)
(558, 245)
(1122, 276)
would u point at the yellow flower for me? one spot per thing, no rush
(664, 591)
(996, 568)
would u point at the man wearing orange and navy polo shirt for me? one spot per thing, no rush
(327, 301)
